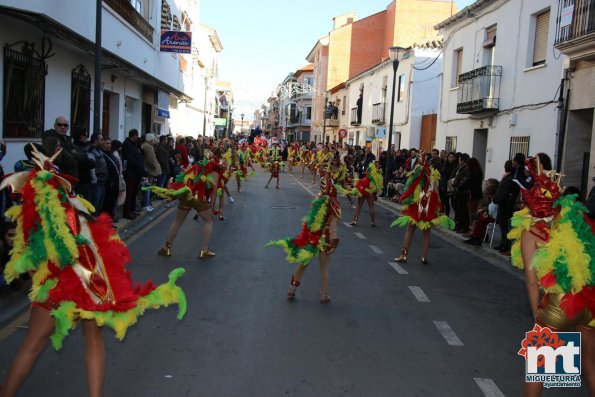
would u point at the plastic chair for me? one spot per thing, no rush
(491, 227)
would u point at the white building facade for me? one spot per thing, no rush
(417, 88)
(501, 82)
(53, 47)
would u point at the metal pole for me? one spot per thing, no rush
(324, 122)
(390, 130)
(204, 111)
(97, 89)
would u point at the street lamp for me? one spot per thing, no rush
(242, 126)
(396, 54)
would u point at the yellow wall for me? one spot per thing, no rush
(415, 20)
(339, 56)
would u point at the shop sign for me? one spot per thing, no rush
(176, 41)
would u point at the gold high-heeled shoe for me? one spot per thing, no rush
(403, 257)
(205, 254)
(293, 285)
(165, 250)
(424, 261)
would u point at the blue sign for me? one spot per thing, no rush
(163, 113)
(176, 41)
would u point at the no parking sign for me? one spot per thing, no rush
(342, 133)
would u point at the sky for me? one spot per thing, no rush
(265, 40)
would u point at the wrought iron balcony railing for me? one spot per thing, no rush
(354, 120)
(479, 90)
(378, 113)
(576, 18)
(131, 15)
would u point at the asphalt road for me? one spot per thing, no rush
(451, 328)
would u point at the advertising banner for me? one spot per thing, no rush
(176, 41)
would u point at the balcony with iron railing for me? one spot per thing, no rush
(378, 113)
(575, 27)
(354, 120)
(479, 90)
(131, 15)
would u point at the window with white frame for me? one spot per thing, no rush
(518, 144)
(451, 144)
(542, 21)
(457, 67)
(401, 89)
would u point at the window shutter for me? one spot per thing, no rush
(541, 32)
(459, 69)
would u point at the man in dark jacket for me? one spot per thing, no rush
(67, 162)
(462, 220)
(162, 154)
(112, 182)
(86, 166)
(135, 171)
(506, 195)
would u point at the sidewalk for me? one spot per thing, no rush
(14, 303)
(484, 251)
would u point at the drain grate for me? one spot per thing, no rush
(282, 207)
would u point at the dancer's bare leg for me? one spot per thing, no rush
(408, 236)
(325, 259)
(239, 182)
(426, 243)
(270, 179)
(372, 207)
(588, 357)
(360, 203)
(94, 357)
(303, 169)
(207, 228)
(299, 272)
(41, 325)
(175, 226)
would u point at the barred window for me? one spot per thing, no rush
(80, 99)
(451, 144)
(176, 24)
(166, 18)
(519, 144)
(24, 93)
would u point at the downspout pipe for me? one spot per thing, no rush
(563, 109)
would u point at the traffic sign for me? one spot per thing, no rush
(342, 133)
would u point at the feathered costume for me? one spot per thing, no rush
(274, 161)
(421, 201)
(316, 235)
(77, 261)
(565, 262)
(369, 185)
(194, 186)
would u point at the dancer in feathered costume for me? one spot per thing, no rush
(292, 151)
(339, 174)
(78, 270)
(555, 244)
(318, 237)
(195, 189)
(304, 158)
(321, 162)
(421, 206)
(367, 189)
(274, 163)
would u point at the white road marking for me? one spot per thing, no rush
(376, 249)
(398, 268)
(419, 294)
(488, 387)
(448, 334)
(347, 224)
(360, 236)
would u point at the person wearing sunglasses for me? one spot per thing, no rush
(69, 159)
